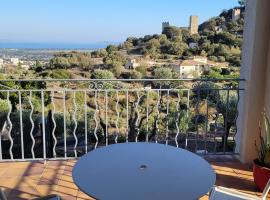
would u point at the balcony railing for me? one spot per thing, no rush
(62, 119)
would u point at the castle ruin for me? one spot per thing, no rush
(194, 24)
(236, 14)
(165, 25)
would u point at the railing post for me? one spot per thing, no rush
(43, 125)
(49, 137)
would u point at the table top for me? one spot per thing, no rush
(143, 171)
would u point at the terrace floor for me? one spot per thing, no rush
(27, 180)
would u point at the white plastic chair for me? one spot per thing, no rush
(49, 197)
(222, 193)
(2, 195)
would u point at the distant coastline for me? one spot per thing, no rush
(55, 46)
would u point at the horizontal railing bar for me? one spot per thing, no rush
(132, 90)
(123, 80)
(38, 159)
(74, 158)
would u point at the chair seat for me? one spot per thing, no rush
(221, 193)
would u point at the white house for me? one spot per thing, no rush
(14, 61)
(218, 29)
(26, 67)
(1, 63)
(131, 64)
(192, 45)
(193, 68)
(189, 68)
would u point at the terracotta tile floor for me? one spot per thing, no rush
(27, 180)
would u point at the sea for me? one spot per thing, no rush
(55, 46)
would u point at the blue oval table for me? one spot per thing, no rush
(143, 171)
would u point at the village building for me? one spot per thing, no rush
(1, 63)
(132, 64)
(192, 45)
(218, 29)
(25, 66)
(14, 61)
(194, 68)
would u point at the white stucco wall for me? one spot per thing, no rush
(255, 70)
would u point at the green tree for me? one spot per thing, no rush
(127, 45)
(173, 33)
(227, 106)
(152, 48)
(133, 40)
(117, 68)
(222, 50)
(208, 26)
(242, 2)
(60, 74)
(114, 57)
(102, 74)
(162, 73)
(135, 75)
(142, 69)
(111, 48)
(177, 48)
(99, 53)
(163, 39)
(59, 63)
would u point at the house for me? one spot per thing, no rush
(25, 66)
(218, 29)
(1, 63)
(189, 68)
(194, 68)
(131, 64)
(192, 45)
(14, 61)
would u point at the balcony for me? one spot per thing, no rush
(68, 118)
(50, 128)
(46, 125)
(27, 180)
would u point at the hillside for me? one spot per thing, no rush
(219, 38)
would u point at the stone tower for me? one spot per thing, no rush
(236, 13)
(165, 25)
(193, 24)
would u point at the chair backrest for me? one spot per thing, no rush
(2, 195)
(266, 190)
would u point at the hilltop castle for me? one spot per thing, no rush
(193, 25)
(165, 25)
(236, 14)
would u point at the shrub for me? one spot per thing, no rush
(142, 69)
(60, 74)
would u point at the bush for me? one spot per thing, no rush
(60, 74)
(103, 74)
(117, 68)
(99, 53)
(114, 57)
(221, 58)
(135, 75)
(213, 58)
(142, 69)
(111, 48)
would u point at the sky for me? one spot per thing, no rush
(93, 21)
